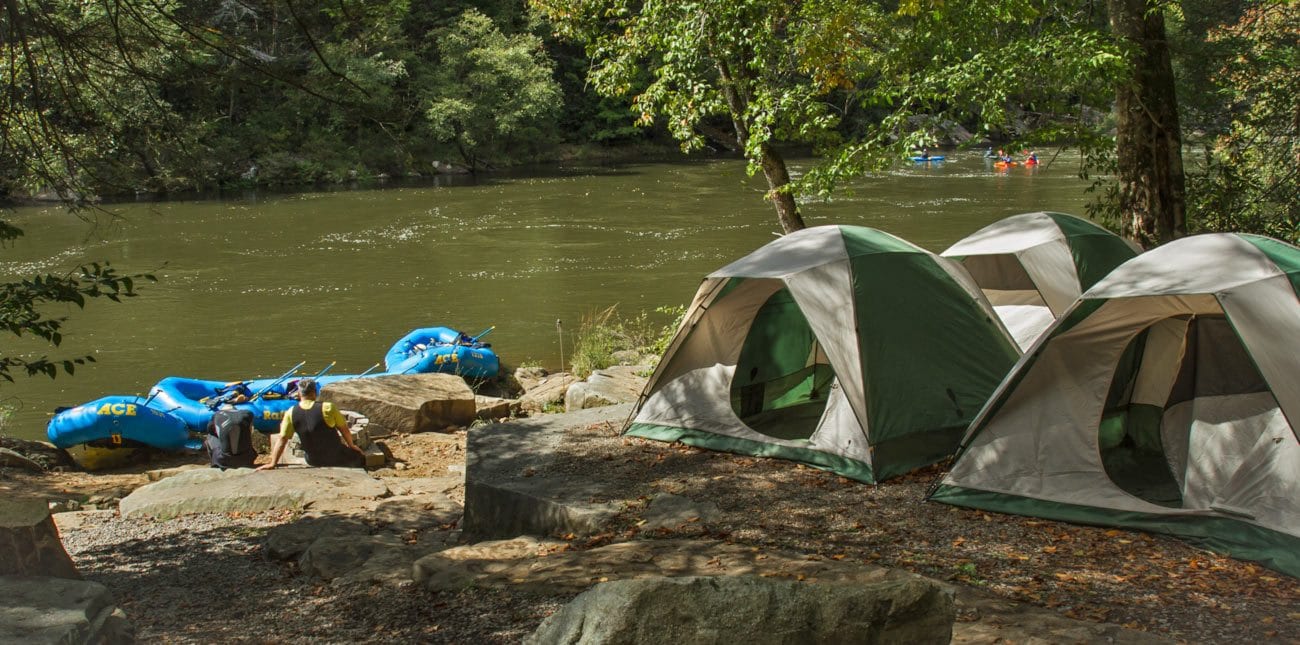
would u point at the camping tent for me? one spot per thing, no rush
(1033, 266)
(838, 346)
(1164, 400)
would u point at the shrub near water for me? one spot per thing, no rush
(603, 333)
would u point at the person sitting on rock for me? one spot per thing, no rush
(322, 430)
(230, 438)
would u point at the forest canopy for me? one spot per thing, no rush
(103, 97)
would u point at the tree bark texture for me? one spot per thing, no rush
(771, 161)
(1152, 201)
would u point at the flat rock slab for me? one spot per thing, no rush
(160, 474)
(36, 609)
(510, 488)
(752, 609)
(548, 566)
(215, 491)
(407, 402)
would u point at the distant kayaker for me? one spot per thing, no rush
(1033, 157)
(322, 430)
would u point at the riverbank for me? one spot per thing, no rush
(1015, 577)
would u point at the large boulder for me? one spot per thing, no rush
(15, 459)
(609, 386)
(545, 393)
(752, 609)
(491, 408)
(29, 541)
(511, 487)
(243, 490)
(672, 512)
(334, 557)
(36, 609)
(45, 454)
(529, 377)
(290, 541)
(407, 402)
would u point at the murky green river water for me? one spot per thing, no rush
(250, 286)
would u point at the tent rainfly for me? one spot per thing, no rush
(842, 347)
(1033, 266)
(1164, 400)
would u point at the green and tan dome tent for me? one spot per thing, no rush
(1164, 400)
(1033, 266)
(842, 347)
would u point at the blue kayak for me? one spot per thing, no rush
(930, 158)
(442, 349)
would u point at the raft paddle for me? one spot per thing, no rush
(276, 382)
(369, 369)
(483, 333)
(327, 368)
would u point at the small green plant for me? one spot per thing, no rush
(603, 333)
(969, 571)
(599, 336)
(666, 334)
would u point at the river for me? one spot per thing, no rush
(251, 285)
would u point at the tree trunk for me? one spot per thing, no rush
(773, 164)
(787, 209)
(1152, 201)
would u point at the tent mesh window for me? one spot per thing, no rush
(782, 376)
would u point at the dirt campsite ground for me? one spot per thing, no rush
(206, 578)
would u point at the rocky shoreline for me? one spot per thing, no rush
(554, 504)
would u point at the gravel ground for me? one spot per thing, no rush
(204, 579)
(176, 579)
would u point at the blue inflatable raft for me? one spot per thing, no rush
(442, 349)
(118, 419)
(178, 409)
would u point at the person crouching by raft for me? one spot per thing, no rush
(322, 430)
(230, 438)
